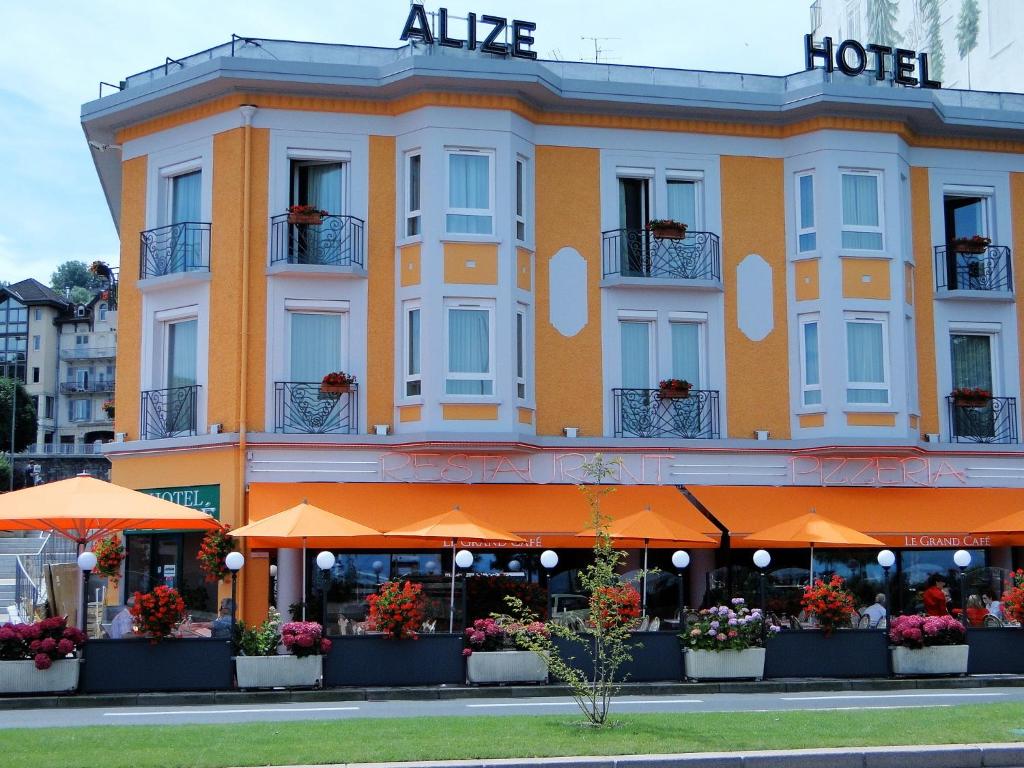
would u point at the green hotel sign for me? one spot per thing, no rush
(205, 498)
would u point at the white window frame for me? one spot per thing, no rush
(804, 320)
(697, 179)
(641, 316)
(410, 213)
(519, 199)
(164, 319)
(408, 377)
(987, 196)
(36, 343)
(167, 176)
(522, 352)
(449, 211)
(325, 156)
(801, 230)
(886, 384)
(844, 227)
(83, 405)
(700, 319)
(318, 307)
(993, 331)
(487, 305)
(910, 345)
(103, 311)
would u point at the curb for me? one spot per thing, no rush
(208, 698)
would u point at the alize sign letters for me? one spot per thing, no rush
(852, 58)
(483, 33)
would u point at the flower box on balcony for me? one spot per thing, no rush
(24, 677)
(674, 389)
(971, 397)
(335, 389)
(976, 244)
(666, 229)
(338, 383)
(305, 214)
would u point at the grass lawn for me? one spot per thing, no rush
(428, 738)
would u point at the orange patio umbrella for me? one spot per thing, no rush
(649, 526)
(303, 521)
(812, 528)
(85, 509)
(456, 524)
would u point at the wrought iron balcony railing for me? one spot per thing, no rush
(992, 420)
(169, 412)
(300, 408)
(73, 387)
(88, 353)
(646, 413)
(637, 253)
(336, 242)
(176, 248)
(989, 270)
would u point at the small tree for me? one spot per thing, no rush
(24, 416)
(605, 635)
(933, 38)
(967, 32)
(75, 274)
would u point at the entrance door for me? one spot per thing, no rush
(965, 216)
(634, 208)
(166, 560)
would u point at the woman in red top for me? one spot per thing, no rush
(934, 596)
(976, 611)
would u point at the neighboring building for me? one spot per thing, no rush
(993, 64)
(486, 272)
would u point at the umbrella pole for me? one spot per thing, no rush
(812, 564)
(303, 601)
(644, 603)
(451, 603)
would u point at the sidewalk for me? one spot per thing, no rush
(206, 698)
(945, 756)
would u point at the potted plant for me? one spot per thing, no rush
(491, 655)
(108, 407)
(673, 389)
(667, 229)
(830, 603)
(726, 642)
(1012, 600)
(157, 613)
(971, 396)
(306, 214)
(973, 244)
(928, 645)
(109, 553)
(337, 383)
(213, 550)
(397, 610)
(614, 606)
(38, 657)
(259, 665)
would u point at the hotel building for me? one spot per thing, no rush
(486, 271)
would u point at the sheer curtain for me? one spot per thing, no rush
(860, 209)
(686, 352)
(186, 191)
(865, 363)
(315, 346)
(469, 188)
(181, 353)
(808, 240)
(636, 355)
(972, 361)
(812, 375)
(468, 351)
(323, 187)
(682, 202)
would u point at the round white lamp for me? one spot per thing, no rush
(680, 559)
(273, 571)
(962, 558)
(549, 558)
(234, 561)
(87, 561)
(514, 566)
(463, 558)
(886, 558)
(325, 560)
(762, 559)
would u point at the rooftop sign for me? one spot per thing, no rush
(852, 58)
(483, 33)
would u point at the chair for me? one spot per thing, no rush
(644, 624)
(864, 622)
(882, 623)
(794, 623)
(655, 625)
(991, 621)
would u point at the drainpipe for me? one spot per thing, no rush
(247, 111)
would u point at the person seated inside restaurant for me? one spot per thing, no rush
(992, 605)
(875, 611)
(121, 625)
(976, 611)
(935, 596)
(221, 626)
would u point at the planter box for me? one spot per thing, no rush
(312, 219)
(174, 664)
(724, 665)
(935, 660)
(995, 651)
(278, 671)
(656, 657)
(23, 677)
(846, 653)
(374, 660)
(506, 667)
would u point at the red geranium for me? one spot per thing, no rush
(157, 613)
(830, 602)
(615, 606)
(397, 609)
(109, 556)
(216, 546)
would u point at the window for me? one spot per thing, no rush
(35, 375)
(81, 378)
(37, 314)
(634, 214)
(682, 196)
(911, 359)
(317, 346)
(686, 352)
(636, 340)
(186, 197)
(470, 193)
(181, 353)
(807, 236)
(81, 341)
(972, 363)
(520, 199)
(103, 311)
(35, 343)
(412, 196)
(810, 384)
(867, 360)
(413, 372)
(521, 351)
(320, 184)
(862, 225)
(49, 407)
(80, 410)
(853, 20)
(470, 359)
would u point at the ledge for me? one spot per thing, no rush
(284, 269)
(997, 296)
(618, 281)
(174, 280)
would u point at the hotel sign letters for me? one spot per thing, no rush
(484, 33)
(851, 58)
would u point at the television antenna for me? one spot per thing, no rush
(600, 53)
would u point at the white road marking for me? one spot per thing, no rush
(228, 711)
(573, 703)
(858, 697)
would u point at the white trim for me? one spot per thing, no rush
(880, 228)
(702, 346)
(487, 305)
(407, 377)
(878, 318)
(994, 357)
(522, 355)
(802, 321)
(318, 155)
(317, 305)
(187, 312)
(687, 317)
(520, 207)
(410, 214)
(800, 229)
(479, 212)
(643, 315)
(344, 320)
(650, 319)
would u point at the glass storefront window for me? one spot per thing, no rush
(171, 559)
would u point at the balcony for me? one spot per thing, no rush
(91, 421)
(300, 408)
(992, 420)
(987, 270)
(645, 413)
(174, 249)
(63, 449)
(636, 253)
(336, 242)
(169, 412)
(77, 388)
(88, 353)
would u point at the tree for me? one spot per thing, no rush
(25, 416)
(75, 274)
(882, 15)
(967, 32)
(933, 38)
(80, 295)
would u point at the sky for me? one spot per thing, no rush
(55, 53)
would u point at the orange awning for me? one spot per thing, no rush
(544, 515)
(900, 517)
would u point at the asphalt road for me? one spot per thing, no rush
(719, 702)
